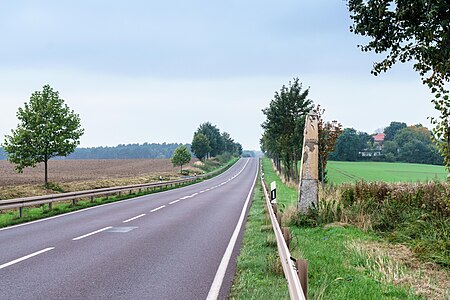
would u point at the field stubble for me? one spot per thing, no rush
(75, 175)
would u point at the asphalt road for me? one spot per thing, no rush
(162, 246)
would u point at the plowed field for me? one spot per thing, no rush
(62, 171)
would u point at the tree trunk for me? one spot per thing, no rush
(322, 171)
(46, 171)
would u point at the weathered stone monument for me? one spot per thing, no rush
(309, 173)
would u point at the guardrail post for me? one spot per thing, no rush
(50, 206)
(287, 235)
(302, 272)
(92, 199)
(20, 212)
(279, 219)
(74, 202)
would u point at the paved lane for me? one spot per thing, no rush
(162, 246)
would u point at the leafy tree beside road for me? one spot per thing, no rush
(47, 128)
(181, 156)
(417, 31)
(209, 142)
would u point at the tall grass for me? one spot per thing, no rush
(417, 215)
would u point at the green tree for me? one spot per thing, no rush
(47, 128)
(414, 30)
(181, 156)
(284, 126)
(200, 145)
(390, 150)
(349, 144)
(392, 130)
(214, 137)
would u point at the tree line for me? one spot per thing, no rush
(402, 143)
(121, 151)
(209, 142)
(282, 138)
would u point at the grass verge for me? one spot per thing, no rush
(259, 274)
(346, 262)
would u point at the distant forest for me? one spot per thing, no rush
(129, 151)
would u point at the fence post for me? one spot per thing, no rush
(309, 173)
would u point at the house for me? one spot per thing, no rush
(375, 147)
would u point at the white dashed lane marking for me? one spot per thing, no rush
(158, 208)
(134, 218)
(25, 257)
(91, 233)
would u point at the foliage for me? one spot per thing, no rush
(181, 156)
(412, 144)
(218, 143)
(349, 144)
(392, 130)
(418, 31)
(416, 214)
(328, 135)
(47, 128)
(200, 146)
(284, 125)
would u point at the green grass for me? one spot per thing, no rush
(256, 276)
(341, 172)
(334, 271)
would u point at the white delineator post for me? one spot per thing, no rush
(273, 192)
(308, 194)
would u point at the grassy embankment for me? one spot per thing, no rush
(11, 217)
(342, 171)
(346, 262)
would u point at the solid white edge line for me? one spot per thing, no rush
(112, 203)
(91, 233)
(25, 257)
(175, 201)
(220, 274)
(133, 218)
(158, 208)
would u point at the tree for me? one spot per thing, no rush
(349, 144)
(181, 156)
(284, 125)
(328, 135)
(414, 30)
(200, 146)
(47, 128)
(212, 133)
(392, 130)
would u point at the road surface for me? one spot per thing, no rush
(169, 245)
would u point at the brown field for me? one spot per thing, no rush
(75, 175)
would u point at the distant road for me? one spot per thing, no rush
(162, 246)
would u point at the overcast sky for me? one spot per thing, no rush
(152, 71)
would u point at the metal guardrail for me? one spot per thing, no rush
(290, 268)
(74, 196)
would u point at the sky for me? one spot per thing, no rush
(153, 71)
